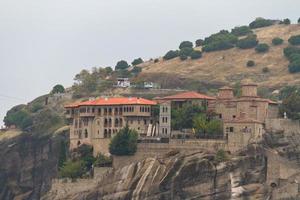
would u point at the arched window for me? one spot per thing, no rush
(109, 133)
(105, 133)
(86, 133)
(116, 122)
(121, 122)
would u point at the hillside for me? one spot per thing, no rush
(229, 66)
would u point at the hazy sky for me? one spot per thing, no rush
(45, 42)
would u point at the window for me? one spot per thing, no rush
(86, 133)
(105, 133)
(231, 129)
(233, 116)
(220, 116)
(145, 121)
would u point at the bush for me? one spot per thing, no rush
(294, 66)
(121, 65)
(171, 54)
(156, 60)
(199, 42)
(72, 169)
(289, 51)
(294, 40)
(186, 51)
(219, 41)
(19, 117)
(291, 105)
(137, 61)
(287, 21)
(103, 161)
(186, 44)
(58, 89)
(265, 70)
(277, 41)
(221, 156)
(196, 54)
(262, 48)
(241, 30)
(260, 22)
(136, 70)
(248, 42)
(124, 142)
(250, 63)
(183, 57)
(299, 21)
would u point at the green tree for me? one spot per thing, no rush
(241, 30)
(183, 57)
(260, 22)
(289, 51)
(262, 48)
(58, 89)
(277, 41)
(219, 41)
(299, 21)
(124, 142)
(103, 161)
(171, 54)
(288, 91)
(121, 65)
(207, 127)
(72, 169)
(291, 105)
(248, 42)
(199, 42)
(196, 54)
(294, 66)
(186, 51)
(186, 44)
(137, 61)
(182, 118)
(286, 21)
(294, 40)
(19, 117)
(221, 156)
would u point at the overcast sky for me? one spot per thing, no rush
(45, 42)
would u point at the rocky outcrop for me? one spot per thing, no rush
(179, 176)
(27, 165)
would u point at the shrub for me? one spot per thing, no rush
(277, 41)
(156, 60)
(19, 117)
(294, 66)
(58, 89)
(199, 42)
(260, 22)
(186, 51)
(289, 51)
(136, 70)
(248, 42)
(265, 70)
(291, 105)
(72, 169)
(241, 30)
(221, 156)
(219, 41)
(262, 48)
(171, 54)
(121, 65)
(183, 57)
(294, 40)
(250, 63)
(299, 21)
(186, 44)
(124, 142)
(103, 161)
(137, 61)
(287, 21)
(196, 54)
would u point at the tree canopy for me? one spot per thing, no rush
(137, 61)
(124, 142)
(121, 65)
(58, 89)
(186, 44)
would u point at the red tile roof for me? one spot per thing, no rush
(114, 101)
(188, 95)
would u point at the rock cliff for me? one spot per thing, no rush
(28, 162)
(179, 176)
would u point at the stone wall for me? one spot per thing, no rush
(158, 150)
(287, 126)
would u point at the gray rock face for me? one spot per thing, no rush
(179, 176)
(27, 165)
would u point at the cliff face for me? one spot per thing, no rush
(179, 176)
(27, 165)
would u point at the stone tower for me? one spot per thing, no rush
(225, 93)
(249, 90)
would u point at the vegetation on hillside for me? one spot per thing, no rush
(262, 48)
(248, 42)
(260, 22)
(124, 142)
(277, 41)
(241, 30)
(293, 55)
(291, 102)
(57, 89)
(219, 41)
